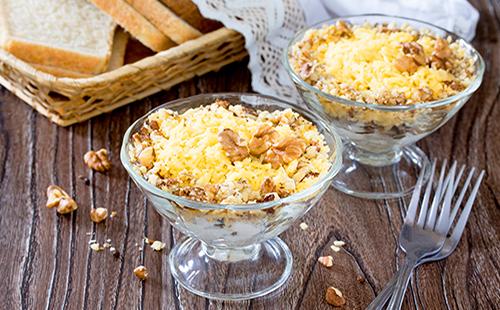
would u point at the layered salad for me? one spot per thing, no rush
(230, 154)
(380, 64)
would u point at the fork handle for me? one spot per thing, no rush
(402, 283)
(379, 302)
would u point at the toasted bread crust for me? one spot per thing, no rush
(189, 12)
(127, 17)
(55, 57)
(165, 20)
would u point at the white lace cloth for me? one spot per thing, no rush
(268, 26)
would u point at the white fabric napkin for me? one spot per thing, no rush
(268, 26)
(457, 16)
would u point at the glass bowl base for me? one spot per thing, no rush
(231, 274)
(376, 181)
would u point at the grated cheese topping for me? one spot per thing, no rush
(382, 64)
(188, 154)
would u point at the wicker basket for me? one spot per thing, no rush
(66, 101)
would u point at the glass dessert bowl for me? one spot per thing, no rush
(383, 83)
(232, 251)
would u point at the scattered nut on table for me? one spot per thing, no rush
(57, 197)
(97, 161)
(98, 215)
(326, 261)
(157, 245)
(334, 297)
(141, 272)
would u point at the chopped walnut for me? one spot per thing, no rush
(57, 197)
(303, 226)
(234, 146)
(285, 152)
(267, 187)
(343, 28)
(146, 157)
(360, 279)
(153, 125)
(406, 63)
(222, 103)
(306, 69)
(262, 140)
(97, 161)
(442, 49)
(424, 94)
(334, 297)
(98, 215)
(416, 51)
(141, 272)
(326, 261)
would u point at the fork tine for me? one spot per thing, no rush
(428, 188)
(448, 181)
(461, 196)
(459, 228)
(412, 207)
(442, 224)
(437, 195)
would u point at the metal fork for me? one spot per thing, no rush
(450, 243)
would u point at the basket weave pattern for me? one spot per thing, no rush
(66, 101)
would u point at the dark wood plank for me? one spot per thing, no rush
(46, 262)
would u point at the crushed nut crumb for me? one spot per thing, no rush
(303, 226)
(326, 261)
(113, 214)
(334, 297)
(360, 279)
(98, 215)
(157, 246)
(141, 272)
(338, 243)
(97, 161)
(96, 247)
(114, 251)
(335, 248)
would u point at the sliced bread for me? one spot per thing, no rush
(69, 35)
(116, 60)
(165, 20)
(132, 21)
(189, 12)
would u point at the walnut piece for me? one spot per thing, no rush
(222, 103)
(416, 51)
(267, 187)
(442, 49)
(97, 161)
(326, 261)
(343, 28)
(234, 146)
(141, 272)
(57, 197)
(98, 215)
(147, 157)
(406, 63)
(262, 140)
(334, 297)
(285, 151)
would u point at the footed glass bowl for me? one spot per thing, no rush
(380, 156)
(232, 252)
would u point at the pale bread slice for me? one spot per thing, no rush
(68, 34)
(120, 42)
(116, 60)
(165, 20)
(189, 12)
(138, 26)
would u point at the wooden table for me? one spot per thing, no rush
(46, 263)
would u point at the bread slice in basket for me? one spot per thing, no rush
(70, 35)
(135, 23)
(116, 60)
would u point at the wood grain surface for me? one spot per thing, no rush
(46, 263)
